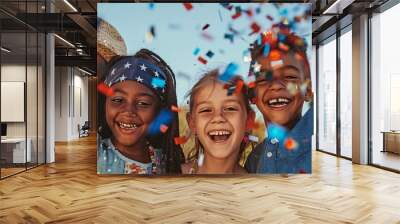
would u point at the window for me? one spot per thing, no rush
(327, 97)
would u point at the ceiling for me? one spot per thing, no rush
(77, 23)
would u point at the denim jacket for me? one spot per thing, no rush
(111, 161)
(275, 158)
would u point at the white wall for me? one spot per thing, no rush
(71, 93)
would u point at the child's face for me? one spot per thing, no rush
(218, 120)
(130, 111)
(278, 96)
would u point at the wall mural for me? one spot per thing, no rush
(204, 88)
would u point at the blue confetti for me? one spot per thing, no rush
(266, 50)
(281, 37)
(284, 12)
(151, 6)
(229, 72)
(157, 82)
(165, 117)
(210, 54)
(275, 131)
(196, 51)
(229, 37)
(259, 39)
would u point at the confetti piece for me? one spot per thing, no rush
(230, 70)
(239, 86)
(266, 50)
(236, 15)
(274, 55)
(247, 58)
(104, 89)
(151, 6)
(188, 6)
(251, 119)
(210, 54)
(291, 144)
(163, 128)
(165, 117)
(253, 138)
(157, 82)
(258, 10)
(302, 171)
(202, 60)
(175, 108)
(148, 37)
(276, 63)
(283, 47)
(249, 12)
(180, 140)
(292, 88)
(205, 26)
(256, 67)
(207, 36)
(229, 37)
(303, 88)
(196, 51)
(153, 31)
(275, 131)
(255, 28)
(226, 5)
(270, 18)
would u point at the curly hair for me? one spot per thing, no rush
(172, 153)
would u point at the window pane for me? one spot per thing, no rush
(385, 85)
(346, 94)
(327, 97)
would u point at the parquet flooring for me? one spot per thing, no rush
(69, 191)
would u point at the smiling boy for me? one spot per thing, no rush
(283, 84)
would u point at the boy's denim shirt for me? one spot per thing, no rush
(274, 158)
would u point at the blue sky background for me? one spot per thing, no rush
(178, 33)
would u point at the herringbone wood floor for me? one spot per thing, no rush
(70, 191)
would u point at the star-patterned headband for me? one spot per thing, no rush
(139, 70)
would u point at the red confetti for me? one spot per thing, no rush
(239, 86)
(188, 6)
(283, 47)
(251, 85)
(202, 60)
(236, 15)
(249, 12)
(102, 88)
(180, 140)
(302, 171)
(290, 144)
(255, 28)
(163, 128)
(205, 26)
(175, 108)
(251, 120)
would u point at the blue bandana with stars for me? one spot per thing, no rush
(139, 70)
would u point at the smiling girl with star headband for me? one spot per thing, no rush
(142, 91)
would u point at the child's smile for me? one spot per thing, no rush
(278, 94)
(129, 113)
(219, 136)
